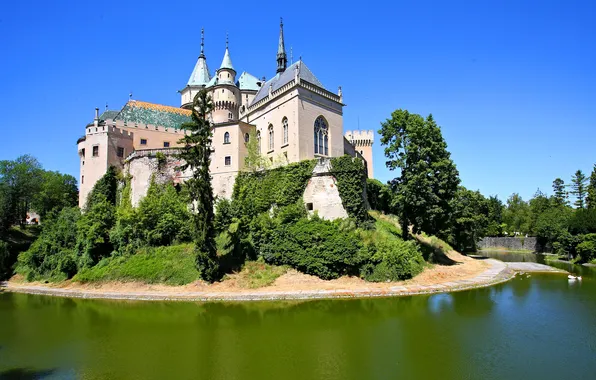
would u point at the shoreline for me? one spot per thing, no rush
(497, 272)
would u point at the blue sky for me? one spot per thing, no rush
(511, 83)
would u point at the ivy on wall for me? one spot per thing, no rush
(351, 182)
(256, 192)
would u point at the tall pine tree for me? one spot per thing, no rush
(428, 177)
(196, 153)
(578, 188)
(560, 194)
(591, 199)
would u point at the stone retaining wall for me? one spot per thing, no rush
(511, 243)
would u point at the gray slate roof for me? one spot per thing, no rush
(284, 78)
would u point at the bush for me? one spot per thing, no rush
(378, 195)
(52, 256)
(351, 183)
(93, 229)
(393, 260)
(315, 246)
(586, 250)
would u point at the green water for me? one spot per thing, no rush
(540, 327)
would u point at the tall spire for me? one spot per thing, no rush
(202, 43)
(282, 60)
(226, 63)
(200, 75)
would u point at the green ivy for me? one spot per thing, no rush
(351, 182)
(256, 192)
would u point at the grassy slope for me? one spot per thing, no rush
(173, 265)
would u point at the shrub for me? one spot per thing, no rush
(586, 250)
(351, 183)
(378, 195)
(93, 228)
(52, 256)
(393, 260)
(256, 274)
(315, 246)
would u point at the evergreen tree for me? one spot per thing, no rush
(578, 186)
(428, 177)
(560, 194)
(196, 153)
(591, 199)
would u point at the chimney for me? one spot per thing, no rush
(96, 120)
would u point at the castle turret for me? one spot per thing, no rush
(198, 78)
(282, 60)
(225, 95)
(363, 142)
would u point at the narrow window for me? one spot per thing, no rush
(143, 141)
(285, 129)
(271, 136)
(230, 116)
(259, 140)
(166, 144)
(223, 90)
(227, 138)
(228, 160)
(120, 151)
(96, 151)
(82, 179)
(321, 136)
(309, 206)
(246, 137)
(83, 152)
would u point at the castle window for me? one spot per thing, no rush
(223, 90)
(246, 137)
(321, 136)
(227, 138)
(259, 140)
(228, 160)
(95, 152)
(271, 136)
(166, 144)
(143, 141)
(83, 152)
(230, 116)
(120, 151)
(82, 179)
(285, 129)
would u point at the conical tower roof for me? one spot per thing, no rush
(226, 63)
(200, 75)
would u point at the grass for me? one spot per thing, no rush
(257, 274)
(173, 265)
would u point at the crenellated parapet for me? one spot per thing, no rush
(360, 138)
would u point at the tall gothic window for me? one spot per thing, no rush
(271, 143)
(321, 136)
(259, 140)
(246, 137)
(285, 127)
(227, 138)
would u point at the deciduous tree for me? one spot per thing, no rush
(428, 177)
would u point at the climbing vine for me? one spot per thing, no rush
(256, 192)
(351, 182)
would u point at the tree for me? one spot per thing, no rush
(591, 199)
(57, 191)
(516, 215)
(254, 160)
(578, 186)
(428, 177)
(21, 180)
(560, 194)
(495, 216)
(469, 219)
(196, 153)
(539, 204)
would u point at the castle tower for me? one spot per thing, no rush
(198, 78)
(225, 95)
(282, 60)
(363, 142)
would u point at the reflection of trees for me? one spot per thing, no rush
(473, 303)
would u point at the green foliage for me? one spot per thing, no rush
(428, 177)
(161, 160)
(257, 274)
(20, 181)
(586, 249)
(495, 226)
(104, 190)
(93, 231)
(4, 259)
(378, 195)
(591, 198)
(351, 183)
(196, 153)
(254, 160)
(517, 215)
(314, 246)
(560, 196)
(173, 265)
(52, 256)
(583, 222)
(469, 219)
(551, 227)
(579, 188)
(256, 192)
(56, 192)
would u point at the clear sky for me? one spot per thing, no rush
(512, 83)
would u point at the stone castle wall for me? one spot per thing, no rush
(511, 243)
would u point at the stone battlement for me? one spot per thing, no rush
(92, 130)
(360, 138)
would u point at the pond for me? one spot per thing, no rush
(538, 327)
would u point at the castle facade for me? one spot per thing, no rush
(293, 116)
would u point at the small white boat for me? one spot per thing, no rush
(572, 277)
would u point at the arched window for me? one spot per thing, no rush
(259, 140)
(284, 122)
(321, 136)
(271, 135)
(227, 138)
(246, 137)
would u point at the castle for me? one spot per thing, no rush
(294, 116)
